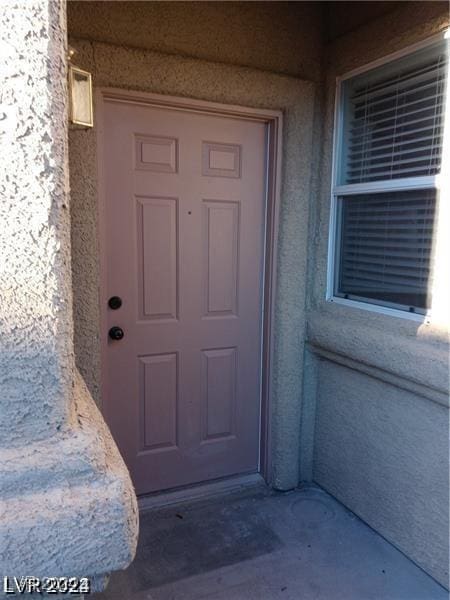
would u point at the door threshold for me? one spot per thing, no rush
(199, 491)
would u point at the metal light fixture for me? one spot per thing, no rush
(81, 111)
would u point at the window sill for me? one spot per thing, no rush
(411, 350)
(383, 310)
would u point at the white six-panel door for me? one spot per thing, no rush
(184, 226)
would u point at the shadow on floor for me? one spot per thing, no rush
(260, 544)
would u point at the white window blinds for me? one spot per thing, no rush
(387, 246)
(394, 120)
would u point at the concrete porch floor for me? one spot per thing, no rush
(259, 544)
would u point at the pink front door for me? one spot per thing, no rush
(184, 224)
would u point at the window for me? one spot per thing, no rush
(387, 154)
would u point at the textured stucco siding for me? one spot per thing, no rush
(384, 452)
(149, 71)
(381, 432)
(283, 37)
(35, 326)
(67, 505)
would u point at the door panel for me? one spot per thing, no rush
(184, 245)
(157, 226)
(219, 393)
(158, 389)
(220, 253)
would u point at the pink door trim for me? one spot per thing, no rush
(274, 121)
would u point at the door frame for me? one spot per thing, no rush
(274, 125)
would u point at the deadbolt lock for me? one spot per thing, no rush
(115, 302)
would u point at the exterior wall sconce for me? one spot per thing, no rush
(81, 111)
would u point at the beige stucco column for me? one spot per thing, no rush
(67, 506)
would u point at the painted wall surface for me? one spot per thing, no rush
(160, 73)
(383, 451)
(377, 385)
(67, 504)
(284, 37)
(34, 246)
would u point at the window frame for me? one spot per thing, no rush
(400, 184)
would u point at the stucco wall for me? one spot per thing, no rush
(166, 74)
(34, 245)
(283, 37)
(376, 386)
(383, 451)
(67, 504)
